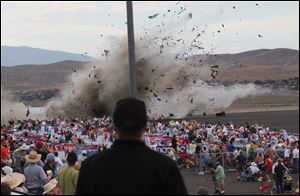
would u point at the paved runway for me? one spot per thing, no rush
(232, 187)
(288, 120)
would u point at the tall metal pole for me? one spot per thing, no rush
(131, 51)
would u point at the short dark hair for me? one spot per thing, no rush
(130, 115)
(72, 158)
(5, 189)
(56, 153)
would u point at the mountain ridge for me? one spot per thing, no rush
(29, 55)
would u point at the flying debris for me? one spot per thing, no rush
(192, 100)
(233, 7)
(153, 16)
(106, 52)
(200, 48)
(146, 88)
(260, 36)
(96, 76)
(99, 81)
(28, 112)
(214, 66)
(171, 115)
(158, 99)
(214, 74)
(170, 88)
(190, 15)
(161, 47)
(256, 4)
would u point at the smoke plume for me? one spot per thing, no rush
(168, 81)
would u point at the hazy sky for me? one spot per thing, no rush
(77, 26)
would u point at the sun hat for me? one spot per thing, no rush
(13, 179)
(24, 147)
(50, 186)
(7, 170)
(33, 157)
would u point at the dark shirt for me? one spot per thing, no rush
(230, 148)
(43, 153)
(241, 159)
(130, 167)
(279, 170)
(174, 143)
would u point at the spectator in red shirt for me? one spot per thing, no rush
(268, 165)
(5, 156)
(4, 130)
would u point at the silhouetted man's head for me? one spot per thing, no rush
(130, 117)
(72, 158)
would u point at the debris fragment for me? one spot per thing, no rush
(153, 16)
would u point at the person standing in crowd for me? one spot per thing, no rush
(279, 171)
(35, 175)
(260, 161)
(295, 160)
(270, 152)
(241, 162)
(68, 177)
(136, 168)
(42, 150)
(268, 165)
(220, 177)
(5, 156)
(58, 160)
(287, 154)
(174, 143)
(50, 165)
(259, 150)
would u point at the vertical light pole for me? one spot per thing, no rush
(131, 51)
